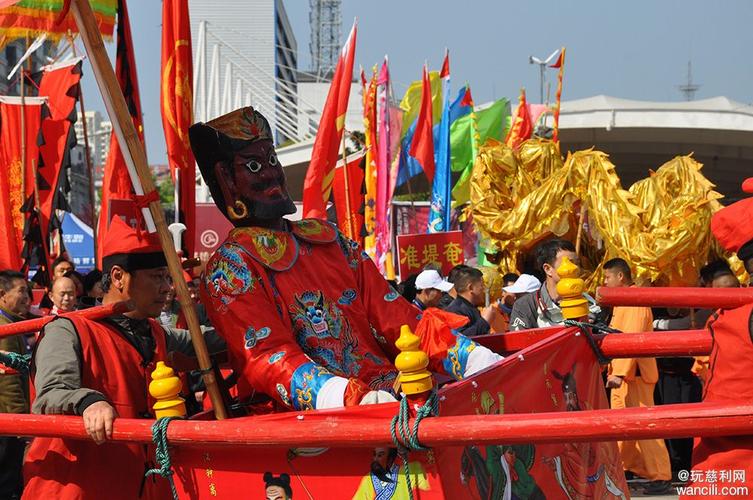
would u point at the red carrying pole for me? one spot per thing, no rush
(336, 428)
(36, 324)
(656, 344)
(621, 345)
(710, 298)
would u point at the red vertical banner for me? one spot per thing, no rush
(320, 175)
(60, 84)
(353, 194)
(116, 182)
(17, 175)
(176, 105)
(418, 250)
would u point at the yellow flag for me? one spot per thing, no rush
(411, 103)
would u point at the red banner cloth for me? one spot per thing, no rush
(355, 195)
(320, 175)
(14, 192)
(177, 109)
(415, 251)
(422, 147)
(60, 84)
(116, 182)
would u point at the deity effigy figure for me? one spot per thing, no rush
(307, 317)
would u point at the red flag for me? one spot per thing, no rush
(321, 172)
(422, 146)
(176, 106)
(60, 83)
(560, 59)
(522, 126)
(467, 97)
(354, 193)
(561, 65)
(445, 72)
(116, 183)
(15, 192)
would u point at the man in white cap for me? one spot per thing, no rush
(429, 288)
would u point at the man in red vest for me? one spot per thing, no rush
(101, 370)
(727, 462)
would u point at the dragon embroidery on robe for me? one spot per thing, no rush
(324, 334)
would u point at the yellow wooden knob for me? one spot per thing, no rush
(570, 289)
(165, 388)
(412, 363)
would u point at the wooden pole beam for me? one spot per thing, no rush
(711, 298)
(333, 428)
(135, 159)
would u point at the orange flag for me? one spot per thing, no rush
(321, 172)
(177, 114)
(522, 125)
(422, 146)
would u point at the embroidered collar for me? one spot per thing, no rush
(278, 250)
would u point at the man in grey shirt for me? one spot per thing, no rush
(100, 370)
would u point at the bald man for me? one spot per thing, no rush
(63, 295)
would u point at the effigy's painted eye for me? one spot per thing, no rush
(253, 165)
(273, 159)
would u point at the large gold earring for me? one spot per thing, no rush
(238, 211)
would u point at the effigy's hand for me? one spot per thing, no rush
(377, 397)
(98, 419)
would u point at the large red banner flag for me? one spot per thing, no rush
(321, 172)
(522, 126)
(116, 183)
(422, 147)
(19, 157)
(177, 115)
(349, 201)
(60, 84)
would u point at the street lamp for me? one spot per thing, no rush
(542, 68)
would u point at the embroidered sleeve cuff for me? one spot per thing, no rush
(305, 385)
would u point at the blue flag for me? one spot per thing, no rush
(409, 167)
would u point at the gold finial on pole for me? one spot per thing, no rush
(412, 362)
(570, 289)
(165, 388)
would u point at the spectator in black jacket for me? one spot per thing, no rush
(469, 286)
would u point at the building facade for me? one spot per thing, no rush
(245, 53)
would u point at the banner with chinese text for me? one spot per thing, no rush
(415, 251)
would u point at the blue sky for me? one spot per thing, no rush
(635, 50)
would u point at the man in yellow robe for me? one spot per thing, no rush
(632, 381)
(387, 480)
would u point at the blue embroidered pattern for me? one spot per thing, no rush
(347, 297)
(305, 384)
(253, 336)
(283, 394)
(392, 295)
(324, 333)
(274, 358)
(350, 249)
(228, 275)
(457, 356)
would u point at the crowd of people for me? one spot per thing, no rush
(307, 322)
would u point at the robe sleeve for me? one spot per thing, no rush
(262, 346)
(449, 352)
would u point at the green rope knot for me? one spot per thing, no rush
(19, 362)
(405, 438)
(162, 453)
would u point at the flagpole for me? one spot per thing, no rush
(87, 153)
(133, 152)
(349, 229)
(22, 72)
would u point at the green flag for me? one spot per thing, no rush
(493, 122)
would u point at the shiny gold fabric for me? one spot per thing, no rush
(660, 225)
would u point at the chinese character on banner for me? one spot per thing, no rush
(418, 250)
